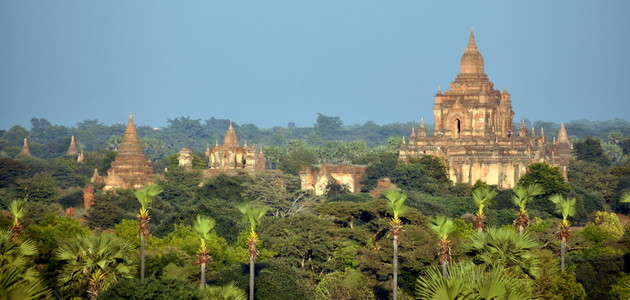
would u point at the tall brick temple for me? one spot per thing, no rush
(474, 131)
(131, 168)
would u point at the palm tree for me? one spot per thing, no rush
(482, 196)
(18, 277)
(443, 227)
(396, 202)
(565, 207)
(226, 292)
(252, 214)
(94, 263)
(470, 281)
(145, 197)
(503, 248)
(625, 198)
(18, 210)
(203, 226)
(522, 194)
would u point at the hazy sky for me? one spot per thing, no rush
(273, 62)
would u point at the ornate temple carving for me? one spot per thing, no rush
(474, 131)
(131, 168)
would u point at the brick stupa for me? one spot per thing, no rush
(26, 151)
(73, 150)
(131, 168)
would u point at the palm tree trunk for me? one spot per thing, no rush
(563, 249)
(251, 278)
(203, 275)
(395, 281)
(142, 253)
(445, 269)
(521, 230)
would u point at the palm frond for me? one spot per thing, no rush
(442, 226)
(564, 206)
(396, 202)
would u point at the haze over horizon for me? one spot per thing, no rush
(271, 63)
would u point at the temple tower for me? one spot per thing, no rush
(474, 132)
(131, 168)
(73, 150)
(232, 156)
(26, 150)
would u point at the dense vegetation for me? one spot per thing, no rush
(302, 246)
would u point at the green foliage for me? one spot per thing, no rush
(470, 281)
(550, 178)
(621, 289)
(428, 174)
(483, 197)
(590, 149)
(442, 226)
(597, 270)
(103, 259)
(504, 248)
(395, 202)
(296, 160)
(277, 280)
(151, 288)
(605, 227)
(382, 166)
(10, 171)
(145, 197)
(252, 215)
(42, 187)
(564, 206)
(349, 284)
(104, 215)
(226, 292)
(17, 270)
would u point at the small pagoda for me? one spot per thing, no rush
(131, 168)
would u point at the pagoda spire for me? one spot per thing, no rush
(563, 137)
(472, 61)
(230, 140)
(422, 132)
(472, 45)
(522, 132)
(413, 132)
(26, 150)
(73, 150)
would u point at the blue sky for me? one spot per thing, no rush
(274, 62)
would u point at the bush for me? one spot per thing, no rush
(151, 288)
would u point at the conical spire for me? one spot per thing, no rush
(230, 140)
(472, 61)
(26, 151)
(522, 132)
(131, 168)
(413, 132)
(73, 150)
(422, 132)
(563, 137)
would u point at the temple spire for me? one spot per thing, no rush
(422, 132)
(563, 137)
(73, 150)
(230, 140)
(472, 46)
(472, 61)
(26, 150)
